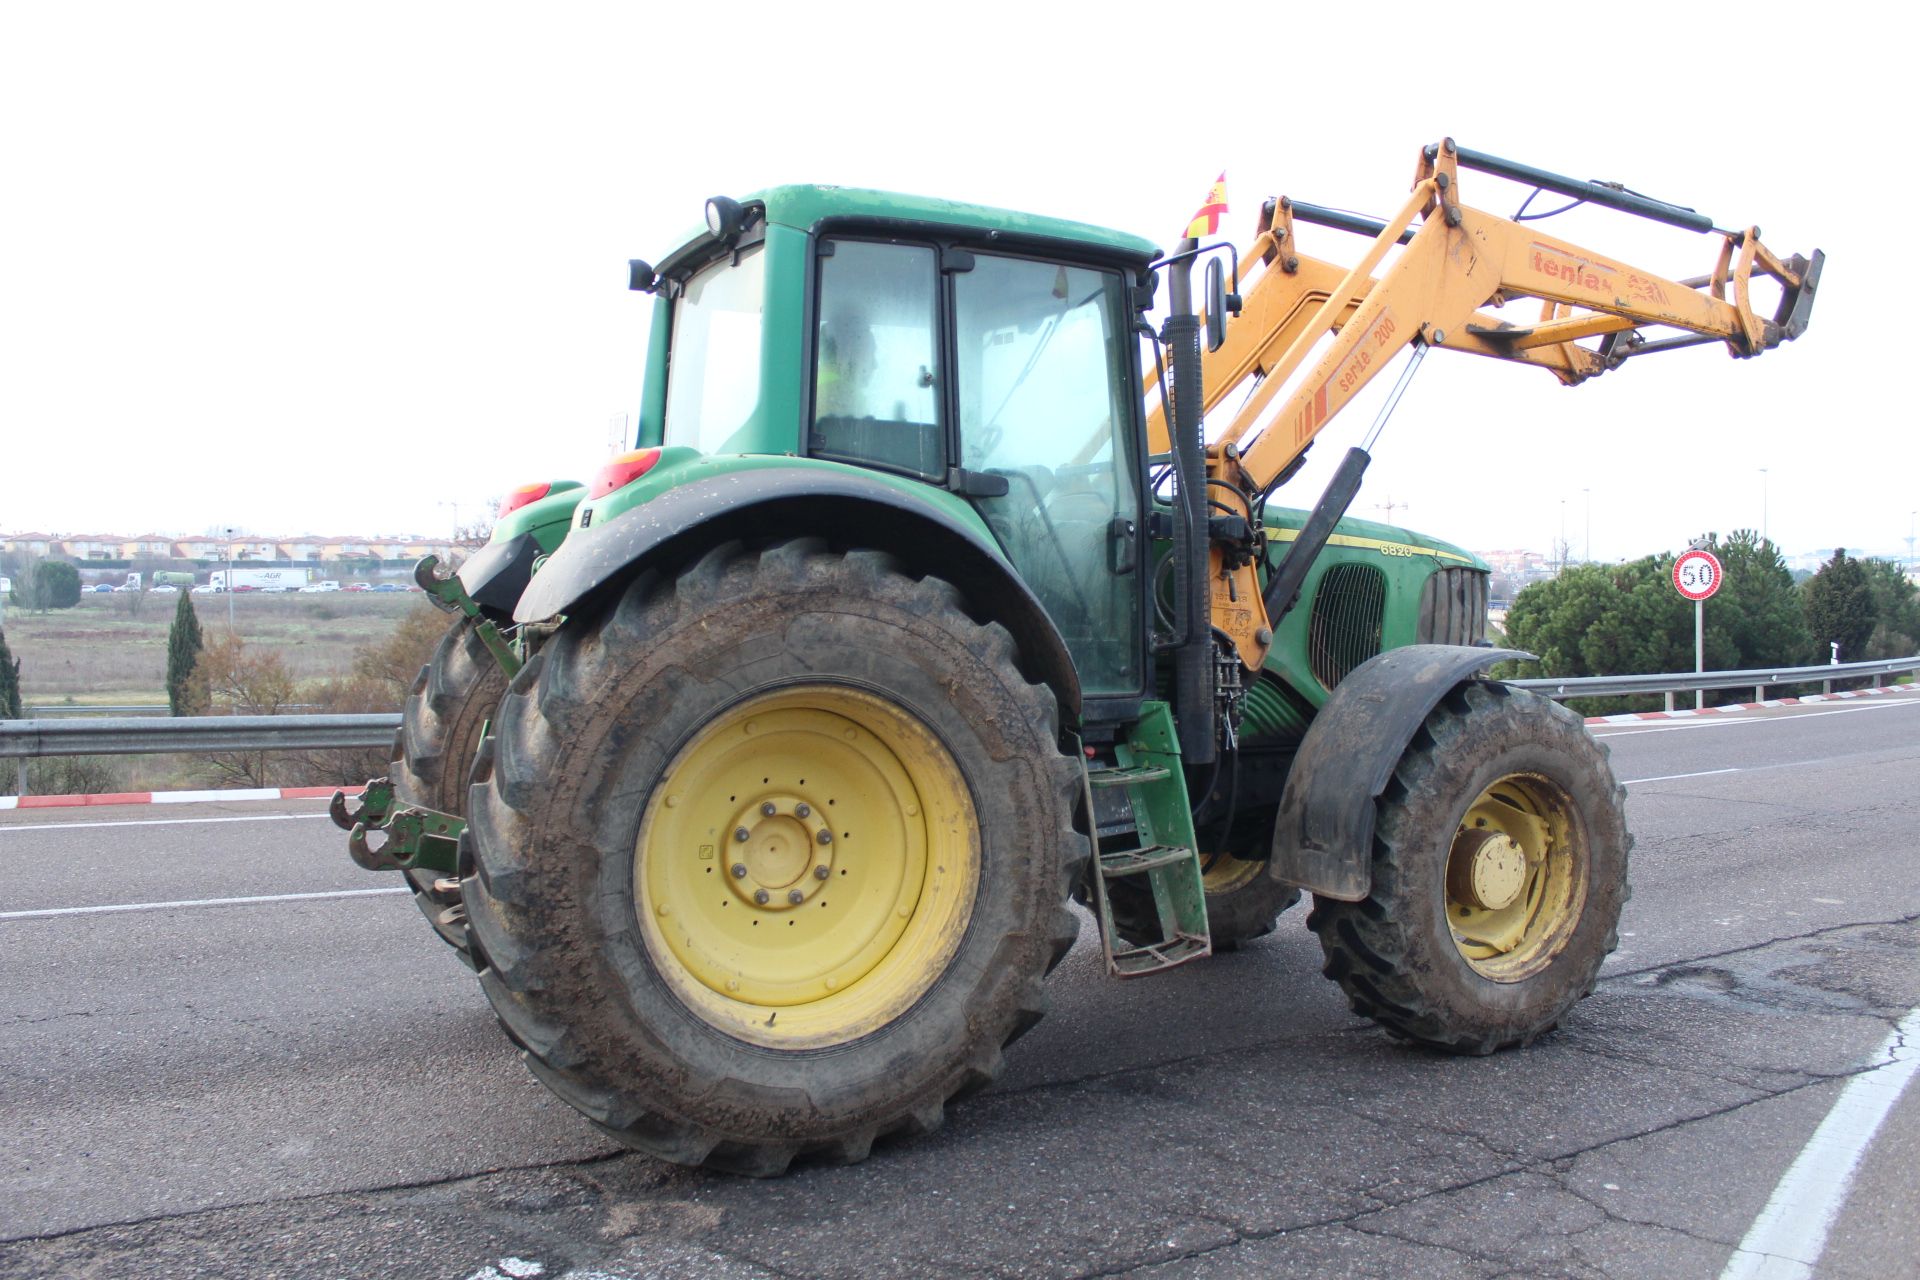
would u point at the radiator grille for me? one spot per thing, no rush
(1453, 608)
(1344, 630)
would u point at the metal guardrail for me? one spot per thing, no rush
(132, 709)
(1759, 679)
(159, 735)
(23, 740)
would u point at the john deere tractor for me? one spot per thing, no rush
(755, 777)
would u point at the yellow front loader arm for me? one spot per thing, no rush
(1457, 261)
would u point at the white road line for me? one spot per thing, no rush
(1720, 722)
(153, 822)
(1786, 1240)
(1669, 777)
(195, 902)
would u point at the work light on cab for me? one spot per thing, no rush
(725, 217)
(622, 471)
(521, 497)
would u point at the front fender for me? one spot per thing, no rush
(1323, 840)
(847, 508)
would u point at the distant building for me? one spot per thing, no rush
(308, 549)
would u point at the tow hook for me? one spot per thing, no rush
(375, 798)
(414, 837)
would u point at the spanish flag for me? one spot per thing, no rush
(1207, 221)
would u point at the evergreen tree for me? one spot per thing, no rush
(57, 584)
(1758, 604)
(1839, 604)
(1896, 611)
(183, 651)
(9, 682)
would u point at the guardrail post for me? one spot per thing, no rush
(1669, 699)
(1759, 693)
(20, 783)
(1826, 686)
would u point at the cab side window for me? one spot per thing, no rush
(876, 391)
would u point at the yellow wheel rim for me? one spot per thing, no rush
(1516, 877)
(1222, 873)
(806, 867)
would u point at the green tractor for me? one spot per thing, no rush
(755, 777)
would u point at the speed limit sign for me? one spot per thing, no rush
(1697, 574)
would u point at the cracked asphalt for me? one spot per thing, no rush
(313, 1087)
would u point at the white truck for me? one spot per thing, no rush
(258, 579)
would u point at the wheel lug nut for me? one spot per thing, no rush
(767, 810)
(761, 896)
(742, 834)
(821, 873)
(802, 809)
(796, 897)
(739, 870)
(825, 837)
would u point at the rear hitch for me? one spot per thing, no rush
(413, 837)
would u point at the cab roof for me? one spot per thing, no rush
(804, 206)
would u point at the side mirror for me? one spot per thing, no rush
(640, 276)
(1216, 304)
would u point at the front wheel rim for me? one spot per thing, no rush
(806, 867)
(1516, 877)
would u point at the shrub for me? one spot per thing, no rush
(56, 584)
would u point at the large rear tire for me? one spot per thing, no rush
(771, 857)
(1499, 873)
(440, 730)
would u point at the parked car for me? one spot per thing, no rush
(244, 587)
(164, 590)
(359, 586)
(319, 588)
(204, 589)
(387, 586)
(102, 588)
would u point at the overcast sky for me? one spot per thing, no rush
(338, 268)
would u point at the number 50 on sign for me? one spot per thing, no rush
(1697, 574)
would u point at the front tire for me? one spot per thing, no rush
(666, 783)
(1499, 873)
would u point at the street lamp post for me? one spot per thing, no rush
(1587, 553)
(229, 580)
(1763, 505)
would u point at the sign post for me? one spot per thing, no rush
(1696, 575)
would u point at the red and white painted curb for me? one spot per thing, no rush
(1635, 717)
(322, 793)
(175, 797)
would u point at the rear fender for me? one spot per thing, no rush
(494, 576)
(845, 507)
(1323, 840)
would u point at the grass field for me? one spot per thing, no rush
(99, 652)
(103, 653)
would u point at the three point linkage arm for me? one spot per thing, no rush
(1457, 261)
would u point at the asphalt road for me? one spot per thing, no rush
(312, 1086)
